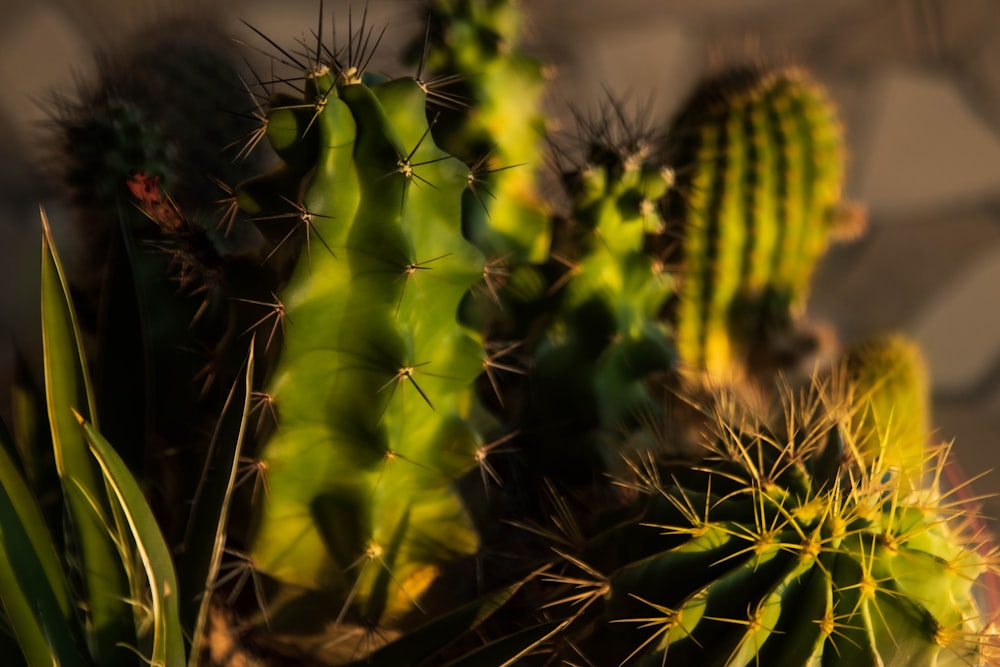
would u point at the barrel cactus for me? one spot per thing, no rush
(784, 546)
(389, 405)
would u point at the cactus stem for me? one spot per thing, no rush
(319, 103)
(402, 375)
(405, 164)
(410, 271)
(374, 554)
(665, 625)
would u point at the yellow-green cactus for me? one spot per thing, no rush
(759, 158)
(778, 549)
(888, 375)
(373, 386)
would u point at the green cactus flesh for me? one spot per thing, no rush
(760, 167)
(777, 552)
(605, 336)
(889, 375)
(374, 383)
(490, 94)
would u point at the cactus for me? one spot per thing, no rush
(588, 427)
(780, 549)
(160, 268)
(889, 375)
(374, 383)
(760, 168)
(603, 335)
(470, 63)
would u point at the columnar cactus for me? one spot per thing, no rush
(471, 65)
(604, 334)
(373, 386)
(759, 159)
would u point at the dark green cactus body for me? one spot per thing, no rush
(760, 167)
(774, 552)
(374, 384)
(153, 290)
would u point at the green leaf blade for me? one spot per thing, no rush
(67, 388)
(151, 548)
(36, 606)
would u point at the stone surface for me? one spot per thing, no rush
(925, 148)
(960, 326)
(887, 278)
(40, 53)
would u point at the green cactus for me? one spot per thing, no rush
(604, 337)
(778, 549)
(470, 65)
(374, 384)
(760, 168)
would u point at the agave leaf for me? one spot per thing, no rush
(39, 608)
(206, 538)
(67, 389)
(150, 547)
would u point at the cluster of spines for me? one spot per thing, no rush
(759, 159)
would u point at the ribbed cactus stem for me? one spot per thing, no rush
(375, 380)
(760, 164)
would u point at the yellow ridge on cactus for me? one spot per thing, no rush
(759, 159)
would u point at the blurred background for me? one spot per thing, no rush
(917, 82)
